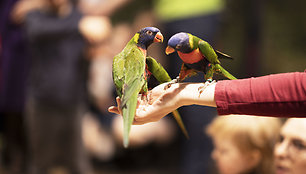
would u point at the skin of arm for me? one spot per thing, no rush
(162, 101)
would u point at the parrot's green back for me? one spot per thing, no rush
(128, 76)
(211, 55)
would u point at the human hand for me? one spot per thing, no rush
(159, 103)
(161, 100)
(95, 28)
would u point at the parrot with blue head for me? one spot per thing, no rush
(130, 70)
(197, 56)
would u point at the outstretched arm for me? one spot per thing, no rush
(278, 95)
(162, 101)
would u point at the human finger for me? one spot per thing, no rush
(116, 109)
(146, 114)
(113, 109)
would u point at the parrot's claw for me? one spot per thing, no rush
(144, 97)
(176, 80)
(207, 83)
(168, 85)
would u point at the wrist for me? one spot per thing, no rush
(198, 94)
(187, 94)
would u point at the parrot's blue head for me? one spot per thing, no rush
(179, 42)
(148, 35)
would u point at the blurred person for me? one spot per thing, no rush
(290, 150)
(97, 124)
(13, 74)
(243, 143)
(58, 35)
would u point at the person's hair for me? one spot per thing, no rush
(249, 133)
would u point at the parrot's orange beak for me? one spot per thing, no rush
(159, 37)
(169, 50)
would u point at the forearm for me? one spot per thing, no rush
(280, 95)
(272, 95)
(192, 94)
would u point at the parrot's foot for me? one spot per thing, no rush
(144, 97)
(176, 80)
(207, 83)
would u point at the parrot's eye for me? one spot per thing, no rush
(149, 32)
(178, 46)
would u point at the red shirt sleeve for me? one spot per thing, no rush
(282, 95)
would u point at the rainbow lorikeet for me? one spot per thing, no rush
(130, 74)
(197, 56)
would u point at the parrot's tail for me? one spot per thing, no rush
(223, 55)
(128, 112)
(222, 71)
(179, 121)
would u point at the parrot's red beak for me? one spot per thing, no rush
(159, 37)
(169, 50)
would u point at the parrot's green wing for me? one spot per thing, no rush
(128, 76)
(212, 57)
(208, 52)
(162, 76)
(130, 89)
(118, 74)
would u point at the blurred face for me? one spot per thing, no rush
(290, 151)
(229, 159)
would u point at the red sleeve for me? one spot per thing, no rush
(282, 95)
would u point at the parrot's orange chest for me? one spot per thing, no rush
(192, 57)
(144, 51)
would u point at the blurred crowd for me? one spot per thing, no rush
(56, 85)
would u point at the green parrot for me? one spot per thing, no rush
(130, 74)
(197, 55)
